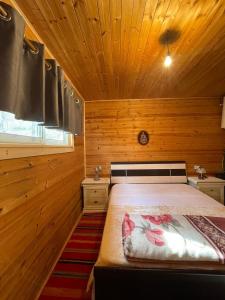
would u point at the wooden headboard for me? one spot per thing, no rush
(149, 172)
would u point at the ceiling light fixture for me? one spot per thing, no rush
(168, 59)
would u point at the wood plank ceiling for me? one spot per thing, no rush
(110, 48)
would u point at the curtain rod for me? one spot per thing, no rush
(33, 49)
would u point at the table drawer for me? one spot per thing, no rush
(95, 193)
(95, 202)
(214, 192)
(95, 197)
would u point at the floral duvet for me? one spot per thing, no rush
(173, 237)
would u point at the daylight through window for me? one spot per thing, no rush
(27, 132)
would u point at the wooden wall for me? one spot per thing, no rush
(180, 129)
(39, 205)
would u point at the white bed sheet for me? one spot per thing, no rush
(181, 195)
(152, 199)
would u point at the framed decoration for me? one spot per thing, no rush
(143, 137)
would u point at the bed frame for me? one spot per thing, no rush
(129, 283)
(112, 283)
(149, 172)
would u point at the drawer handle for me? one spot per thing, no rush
(94, 191)
(95, 202)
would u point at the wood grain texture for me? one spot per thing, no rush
(39, 204)
(110, 48)
(180, 129)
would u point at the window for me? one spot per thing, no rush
(26, 134)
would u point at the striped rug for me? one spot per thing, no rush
(69, 279)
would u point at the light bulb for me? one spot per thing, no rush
(168, 61)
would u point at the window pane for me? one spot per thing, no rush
(56, 136)
(9, 125)
(27, 132)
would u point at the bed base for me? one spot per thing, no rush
(129, 283)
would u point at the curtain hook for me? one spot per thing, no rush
(32, 48)
(48, 66)
(4, 15)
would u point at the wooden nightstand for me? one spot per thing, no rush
(95, 194)
(212, 186)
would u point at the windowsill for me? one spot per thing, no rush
(17, 151)
(12, 150)
(25, 138)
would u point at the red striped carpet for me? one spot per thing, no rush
(69, 279)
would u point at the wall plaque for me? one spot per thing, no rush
(143, 137)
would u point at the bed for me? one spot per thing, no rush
(158, 188)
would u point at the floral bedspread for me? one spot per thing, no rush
(174, 237)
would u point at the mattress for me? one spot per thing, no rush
(180, 199)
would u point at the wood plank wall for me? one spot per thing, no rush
(39, 205)
(180, 129)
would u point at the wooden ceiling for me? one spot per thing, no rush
(110, 49)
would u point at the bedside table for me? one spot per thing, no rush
(212, 186)
(95, 194)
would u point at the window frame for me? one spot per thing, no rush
(19, 149)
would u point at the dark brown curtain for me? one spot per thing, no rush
(60, 95)
(73, 110)
(56, 98)
(78, 115)
(30, 87)
(51, 94)
(31, 92)
(11, 50)
(68, 108)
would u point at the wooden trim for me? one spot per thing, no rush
(19, 149)
(60, 253)
(85, 154)
(153, 98)
(34, 150)
(39, 144)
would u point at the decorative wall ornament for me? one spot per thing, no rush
(143, 137)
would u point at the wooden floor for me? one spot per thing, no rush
(69, 279)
